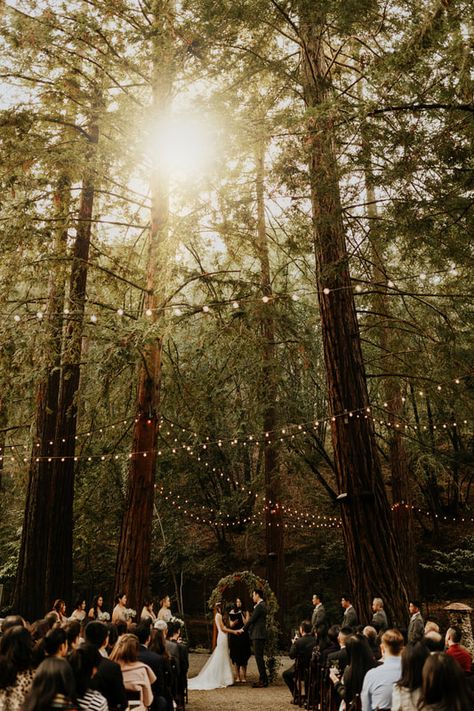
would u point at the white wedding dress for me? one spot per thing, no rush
(217, 671)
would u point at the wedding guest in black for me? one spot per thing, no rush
(108, 679)
(373, 640)
(239, 644)
(301, 651)
(53, 687)
(340, 657)
(333, 644)
(73, 635)
(444, 686)
(16, 667)
(158, 646)
(359, 660)
(155, 662)
(55, 643)
(84, 664)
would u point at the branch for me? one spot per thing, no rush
(423, 107)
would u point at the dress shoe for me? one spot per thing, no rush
(260, 685)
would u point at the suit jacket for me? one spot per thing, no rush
(302, 648)
(109, 681)
(379, 621)
(341, 657)
(416, 628)
(318, 617)
(257, 625)
(155, 662)
(350, 618)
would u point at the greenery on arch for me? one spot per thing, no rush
(253, 581)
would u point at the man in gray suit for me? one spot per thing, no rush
(319, 613)
(257, 627)
(379, 618)
(416, 627)
(350, 615)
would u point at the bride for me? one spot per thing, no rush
(217, 671)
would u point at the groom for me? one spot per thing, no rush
(257, 626)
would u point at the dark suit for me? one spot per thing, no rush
(340, 656)
(109, 681)
(257, 627)
(155, 662)
(350, 618)
(301, 650)
(319, 616)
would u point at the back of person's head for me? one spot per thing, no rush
(12, 621)
(444, 684)
(359, 659)
(434, 641)
(371, 634)
(73, 631)
(173, 628)
(333, 633)
(344, 634)
(51, 619)
(53, 641)
(126, 649)
(16, 654)
(84, 662)
(158, 644)
(392, 640)
(142, 631)
(113, 634)
(96, 633)
(306, 627)
(431, 626)
(414, 657)
(121, 628)
(53, 676)
(454, 634)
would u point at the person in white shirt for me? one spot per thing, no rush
(378, 683)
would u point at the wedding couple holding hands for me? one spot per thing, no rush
(217, 672)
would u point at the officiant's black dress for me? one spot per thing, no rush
(239, 644)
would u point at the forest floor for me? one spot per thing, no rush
(240, 697)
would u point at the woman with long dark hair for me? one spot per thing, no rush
(84, 663)
(407, 690)
(359, 660)
(444, 686)
(16, 667)
(97, 612)
(53, 687)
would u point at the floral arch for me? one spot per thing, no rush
(251, 581)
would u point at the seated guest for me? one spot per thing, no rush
(359, 660)
(16, 667)
(55, 643)
(179, 653)
(341, 655)
(350, 616)
(431, 627)
(433, 641)
(108, 679)
(156, 664)
(373, 640)
(137, 676)
(12, 621)
(456, 651)
(378, 682)
(379, 618)
(300, 651)
(73, 635)
(158, 646)
(444, 686)
(333, 644)
(53, 687)
(407, 690)
(84, 664)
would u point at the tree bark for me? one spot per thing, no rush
(132, 572)
(372, 557)
(30, 594)
(274, 529)
(59, 560)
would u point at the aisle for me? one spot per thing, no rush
(240, 697)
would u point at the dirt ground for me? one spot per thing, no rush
(240, 697)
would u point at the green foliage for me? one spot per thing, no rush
(453, 570)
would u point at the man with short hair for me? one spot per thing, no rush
(416, 627)
(257, 626)
(378, 682)
(301, 650)
(319, 613)
(341, 655)
(350, 616)
(108, 678)
(433, 641)
(379, 618)
(456, 650)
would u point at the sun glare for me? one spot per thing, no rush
(185, 146)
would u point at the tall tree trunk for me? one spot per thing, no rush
(402, 514)
(274, 530)
(59, 561)
(132, 572)
(372, 557)
(30, 594)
